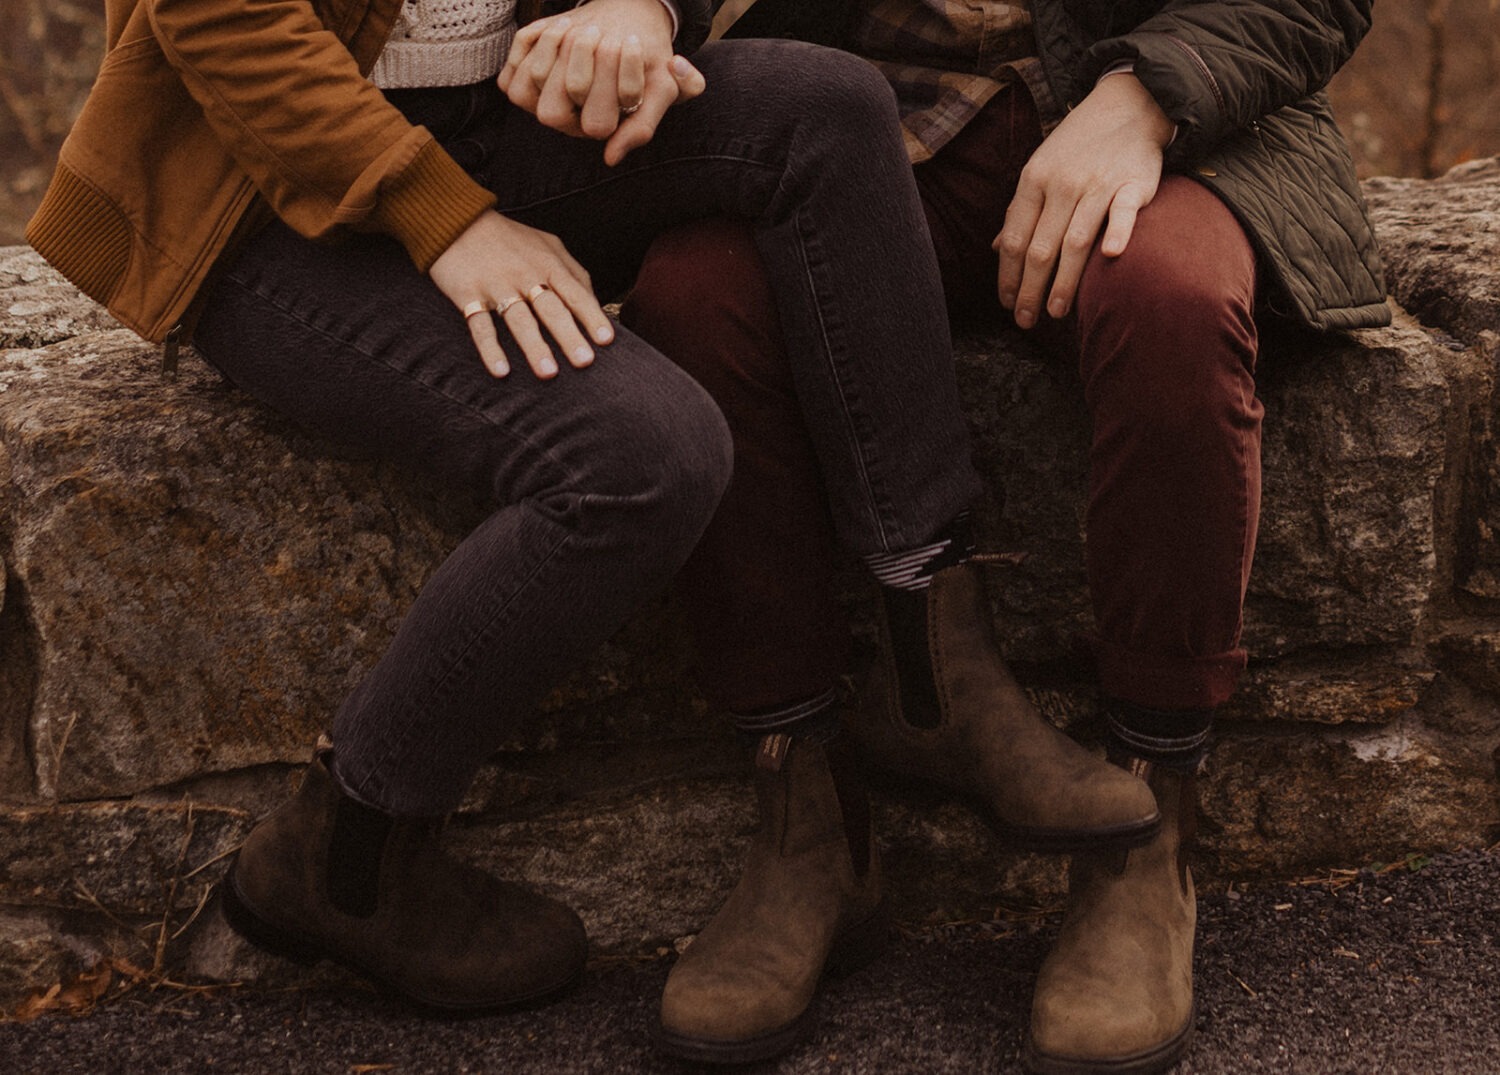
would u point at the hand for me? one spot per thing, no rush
(604, 71)
(529, 278)
(1103, 161)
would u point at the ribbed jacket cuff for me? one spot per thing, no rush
(430, 204)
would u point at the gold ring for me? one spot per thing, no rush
(632, 110)
(506, 305)
(478, 306)
(536, 292)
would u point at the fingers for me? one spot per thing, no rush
(680, 82)
(1015, 238)
(528, 336)
(520, 47)
(639, 127)
(1122, 213)
(690, 80)
(601, 111)
(486, 342)
(563, 310)
(631, 79)
(532, 57)
(554, 105)
(577, 291)
(579, 77)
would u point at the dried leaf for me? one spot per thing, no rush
(75, 997)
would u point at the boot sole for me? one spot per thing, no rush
(1162, 1058)
(856, 947)
(1121, 837)
(303, 950)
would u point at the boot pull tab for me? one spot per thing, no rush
(772, 753)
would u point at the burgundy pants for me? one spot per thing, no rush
(1166, 348)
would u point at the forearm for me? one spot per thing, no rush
(325, 149)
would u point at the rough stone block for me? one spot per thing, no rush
(191, 585)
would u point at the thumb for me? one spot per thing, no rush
(690, 81)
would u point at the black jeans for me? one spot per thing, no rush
(604, 478)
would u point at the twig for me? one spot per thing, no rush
(162, 936)
(1243, 986)
(105, 911)
(208, 891)
(220, 857)
(62, 745)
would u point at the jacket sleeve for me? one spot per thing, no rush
(1217, 67)
(322, 145)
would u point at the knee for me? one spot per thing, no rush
(664, 460)
(1166, 330)
(831, 95)
(1188, 267)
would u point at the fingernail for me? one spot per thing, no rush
(1057, 307)
(1024, 318)
(604, 334)
(500, 369)
(548, 367)
(1008, 299)
(583, 355)
(681, 67)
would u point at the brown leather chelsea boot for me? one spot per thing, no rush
(328, 877)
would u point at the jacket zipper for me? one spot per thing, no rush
(1208, 75)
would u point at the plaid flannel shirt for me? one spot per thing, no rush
(946, 58)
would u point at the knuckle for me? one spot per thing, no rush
(552, 114)
(1040, 254)
(597, 126)
(1012, 245)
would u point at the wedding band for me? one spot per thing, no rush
(632, 110)
(506, 305)
(478, 306)
(535, 292)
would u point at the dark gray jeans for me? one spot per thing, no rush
(604, 478)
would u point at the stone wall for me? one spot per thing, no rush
(190, 585)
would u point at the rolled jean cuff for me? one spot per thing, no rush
(1166, 683)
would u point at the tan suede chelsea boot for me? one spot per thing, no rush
(1116, 993)
(990, 746)
(808, 903)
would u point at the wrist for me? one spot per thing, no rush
(664, 10)
(1124, 90)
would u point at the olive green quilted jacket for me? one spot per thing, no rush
(1243, 80)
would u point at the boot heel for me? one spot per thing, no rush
(258, 931)
(860, 944)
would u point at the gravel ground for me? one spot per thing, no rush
(1383, 972)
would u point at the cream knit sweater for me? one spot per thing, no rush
(446, 43)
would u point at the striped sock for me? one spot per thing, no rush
(1175, 739)
(912, 569)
